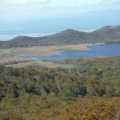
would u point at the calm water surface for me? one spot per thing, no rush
(103, 50)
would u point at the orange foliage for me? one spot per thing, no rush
(99, 109)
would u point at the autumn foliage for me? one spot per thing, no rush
(88, 91)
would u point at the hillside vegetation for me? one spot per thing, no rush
(67, 37)
(89, 91)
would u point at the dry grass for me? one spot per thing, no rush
(41, 50)
(47, 50)
(12, 56)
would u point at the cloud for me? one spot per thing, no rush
(12, 3)
(42, 9)
(83, 4)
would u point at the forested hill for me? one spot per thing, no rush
(69, 36)
(88, 91)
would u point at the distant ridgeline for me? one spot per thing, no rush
(106, 34)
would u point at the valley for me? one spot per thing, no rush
(59, 60)
(70, 79)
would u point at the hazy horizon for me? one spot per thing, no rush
(11, 36)
(50, 16)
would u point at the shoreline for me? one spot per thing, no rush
(50, 50)
(42, 50)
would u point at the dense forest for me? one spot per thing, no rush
(88, 91)
(106, 34)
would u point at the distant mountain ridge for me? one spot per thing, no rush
(103, 35)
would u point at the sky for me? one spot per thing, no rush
(49, 16)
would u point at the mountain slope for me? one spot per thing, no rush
(69, 36)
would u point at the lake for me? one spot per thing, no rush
(102, 50)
